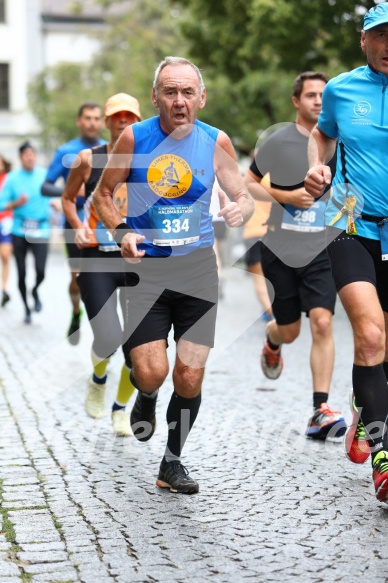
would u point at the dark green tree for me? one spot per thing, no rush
(249, 52)
(253, 49)
(55, 96)
(239, 36)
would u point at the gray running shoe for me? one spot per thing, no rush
(271, 362)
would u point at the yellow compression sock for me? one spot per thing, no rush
(126, 388)
(99, 366)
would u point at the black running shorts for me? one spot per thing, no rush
(101, 274)
(355, 258)
(102, 284)
(299, 289)
(178, 292)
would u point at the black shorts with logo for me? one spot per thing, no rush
(165, 292)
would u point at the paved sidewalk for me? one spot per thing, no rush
(80, 505)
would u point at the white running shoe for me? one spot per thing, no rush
(95, 400)
(120, 422)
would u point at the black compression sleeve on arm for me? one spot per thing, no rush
(48, 189)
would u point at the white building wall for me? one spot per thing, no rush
(29, 45)
(68, 46)
(14, 50)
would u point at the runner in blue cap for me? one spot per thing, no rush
(354, 121)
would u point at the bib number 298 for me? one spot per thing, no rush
(305, 216)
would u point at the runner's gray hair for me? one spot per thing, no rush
(175, 61)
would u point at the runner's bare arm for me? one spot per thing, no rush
(261, 189)
(255, 188)
(115, 173)
(239, 206)
(79, 175)
(321, 149)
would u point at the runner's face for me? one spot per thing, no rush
(117, 122)
(309, 104)
(28, 158)
(374, 43)
(179, 98)
(90, 123)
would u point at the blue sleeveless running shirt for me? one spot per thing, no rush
(64, 157)
(355, 110)
(169, 188)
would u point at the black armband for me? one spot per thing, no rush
(49, 189)
(119, 232)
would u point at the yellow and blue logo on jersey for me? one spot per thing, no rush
(169, 176)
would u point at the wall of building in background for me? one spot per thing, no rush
(35, 34)
(16, 33)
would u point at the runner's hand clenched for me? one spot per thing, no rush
(129, 249)
(230, 211)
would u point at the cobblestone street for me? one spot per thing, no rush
(78, 504)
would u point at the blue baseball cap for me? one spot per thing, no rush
(376, 16)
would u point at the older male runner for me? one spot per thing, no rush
(169, 163)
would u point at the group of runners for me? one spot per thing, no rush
(140, 235)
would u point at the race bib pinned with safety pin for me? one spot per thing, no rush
(175, 225)
(311, 220)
